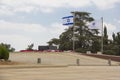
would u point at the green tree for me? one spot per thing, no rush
(4, 53)
(114, 47)
(105, 37)
(96, 46)
(114, 38)
(30, 47)
(54, 41)
(118, 38)
(8, 47)
(84, 36)
(66, 39)
(118, 43)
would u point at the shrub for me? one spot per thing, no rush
(112, 49)
(116, 49)
(81, 50)
(4, 54)
(109, 52)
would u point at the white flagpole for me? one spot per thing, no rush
(102, 35)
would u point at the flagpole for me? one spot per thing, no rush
(73, 31)
(102, 35)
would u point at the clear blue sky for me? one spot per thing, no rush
(23, 22)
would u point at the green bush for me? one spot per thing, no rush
(116, 49)
(109, 52)
(81, 50)
(112, 49)
(4, 54)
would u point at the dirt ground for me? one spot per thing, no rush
(63, 73)
(58, 59)
(58, 66)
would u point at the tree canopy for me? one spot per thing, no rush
(86, 39)
(30, 47)
(8, 47)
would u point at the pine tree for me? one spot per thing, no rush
(105, 41)
(85, 38)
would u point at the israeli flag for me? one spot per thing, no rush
(68, 20)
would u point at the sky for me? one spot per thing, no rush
(23, 22)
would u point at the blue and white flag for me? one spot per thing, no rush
(68, 20)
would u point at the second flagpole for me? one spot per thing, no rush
(102, 34)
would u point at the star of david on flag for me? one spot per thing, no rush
(68, 20)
